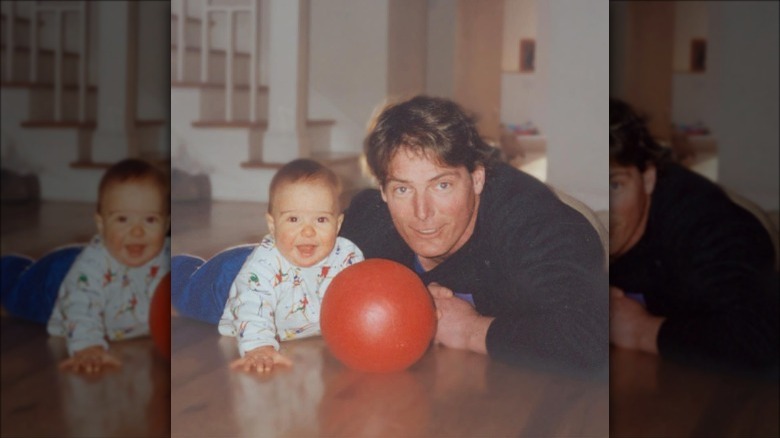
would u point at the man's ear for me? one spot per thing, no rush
(649, 178)
(270, 221)
(99, 223)
(478, 178)
(382, 191)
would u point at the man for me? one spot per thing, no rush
(691, 272)
(514, 272)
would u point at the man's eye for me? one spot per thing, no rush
(401, 190)
(444, 185)
(614, 185)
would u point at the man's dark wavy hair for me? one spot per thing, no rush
(630, 142)
(426, 125)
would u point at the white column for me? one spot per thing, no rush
(742, 65)
(286, 138)
(572, 85)
(115, 137)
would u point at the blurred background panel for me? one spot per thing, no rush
(705, 74)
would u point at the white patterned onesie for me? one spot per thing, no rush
(272, 300)
(102, 299)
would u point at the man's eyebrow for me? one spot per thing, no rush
(438, 176)
(617, 173)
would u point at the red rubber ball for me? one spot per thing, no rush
(377, 316)
(160, 317)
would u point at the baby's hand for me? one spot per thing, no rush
(90, 360)
(260, 360)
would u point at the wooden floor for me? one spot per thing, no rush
(451, 393)
(204, 228)
(448, 393)
(650, 397)
(35, 228)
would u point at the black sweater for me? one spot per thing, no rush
(533, 263)
(705, 264)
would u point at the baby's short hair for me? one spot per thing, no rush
(303, 169)
(133, 169)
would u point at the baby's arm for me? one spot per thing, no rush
(251, 310)
(82, 303)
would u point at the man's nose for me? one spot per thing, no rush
(422, 207)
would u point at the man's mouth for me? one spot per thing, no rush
(426, 232)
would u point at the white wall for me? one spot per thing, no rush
(153, 60)
(348, 66)
(442, 20)
(690, 90)
(407, 48)
(517, 88)
(571, 96)
(519, 23)
(743, 59)
(690, 21)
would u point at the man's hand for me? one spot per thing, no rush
(630, 325)
(260, 360)
(460, 326)
(90, 360)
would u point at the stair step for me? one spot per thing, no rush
(58, 124)
(42, 51)
(44, 85)
(214, 85)
(88, 124)
(191, 20)
(19, 20)
(212, 51)
(262, 124)
(87, 164)
(328, 159)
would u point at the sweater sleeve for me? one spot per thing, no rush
(726, 293)
(555, 300)
(249, 313)
(81, 303)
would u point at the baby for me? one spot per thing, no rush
(277, 293)
(107, 291)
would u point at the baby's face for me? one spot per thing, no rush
(305, 221)
(133, 221)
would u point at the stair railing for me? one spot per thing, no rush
(251, 8)
(59, 10)
(10, 21)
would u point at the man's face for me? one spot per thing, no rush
(133, 221)
(434, 208)
(629, 205)
(305, 221)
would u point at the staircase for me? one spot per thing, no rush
(50, 103)
(220, 104)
